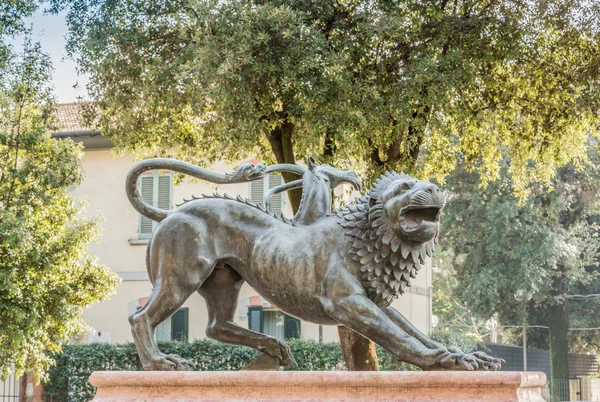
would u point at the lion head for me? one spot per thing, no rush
(392, 229)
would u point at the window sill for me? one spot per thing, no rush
(139, 242)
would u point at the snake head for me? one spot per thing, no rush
(248, 172)
(335, 176)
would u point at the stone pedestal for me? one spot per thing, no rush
(317, 386)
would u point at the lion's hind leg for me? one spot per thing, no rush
(177, 271)
(221, 291)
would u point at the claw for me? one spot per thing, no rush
(486, 362)
(179, 363)
(450, 360)
(473, 365)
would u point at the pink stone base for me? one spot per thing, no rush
(317, 386)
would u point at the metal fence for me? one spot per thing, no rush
(580, 365)
(576, 389)
(9, 389)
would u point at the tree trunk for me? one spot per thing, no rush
(558, 324)
(359, 352)
(282, 145)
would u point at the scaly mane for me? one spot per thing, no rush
(387, 262)
(245, 201)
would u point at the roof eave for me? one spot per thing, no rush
(91, 140)
(76, 133)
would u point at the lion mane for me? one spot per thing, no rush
(387, 262)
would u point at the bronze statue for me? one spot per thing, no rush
(342, 268)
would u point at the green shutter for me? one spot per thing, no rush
(164, 192)
(255, 318)
(291, 327)
(179, 325)
(276, 200)
(147, 194)
(257, 190)
(156, 190)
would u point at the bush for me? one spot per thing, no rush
(74, 365)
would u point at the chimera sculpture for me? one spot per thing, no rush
(341, 268)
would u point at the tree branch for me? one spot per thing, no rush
(329, 147)
(394, 152)
(375, 158)
(17, 143)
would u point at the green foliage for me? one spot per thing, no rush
(585, 314)
(376, 85)
(68, 379)
(547, 245)
(499, 245)
(456, 320)
(13, 12)
(47, 276)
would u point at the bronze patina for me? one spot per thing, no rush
(332, 268)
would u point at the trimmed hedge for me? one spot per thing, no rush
(68, 379)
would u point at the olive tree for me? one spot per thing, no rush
(47, 276)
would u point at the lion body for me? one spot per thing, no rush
(285, 264)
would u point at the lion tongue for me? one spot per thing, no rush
(413, 218)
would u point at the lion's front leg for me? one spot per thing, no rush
(410, 329)
(345, 300)
(464, 361)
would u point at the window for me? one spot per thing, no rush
(156, 189)
(258, 188)
(273, 322)
(174, 328)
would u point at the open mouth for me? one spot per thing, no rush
(414, 217)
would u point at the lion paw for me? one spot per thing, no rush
(454, 359)
(169, 363)
(286, 353)
(448, 360)
(280, 351)
(181, 364)
(487, 363)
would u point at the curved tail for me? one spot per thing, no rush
(245, 173)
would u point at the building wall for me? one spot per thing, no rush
(121, 250)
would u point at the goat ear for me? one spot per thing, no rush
(311, 162)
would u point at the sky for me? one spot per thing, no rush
(51, 31)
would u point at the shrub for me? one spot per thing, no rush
(74, 365)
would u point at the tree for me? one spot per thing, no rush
(372, 85)
(47, 276)
(547, 245)
(453, 313)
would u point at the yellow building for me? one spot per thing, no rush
(123, 243)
